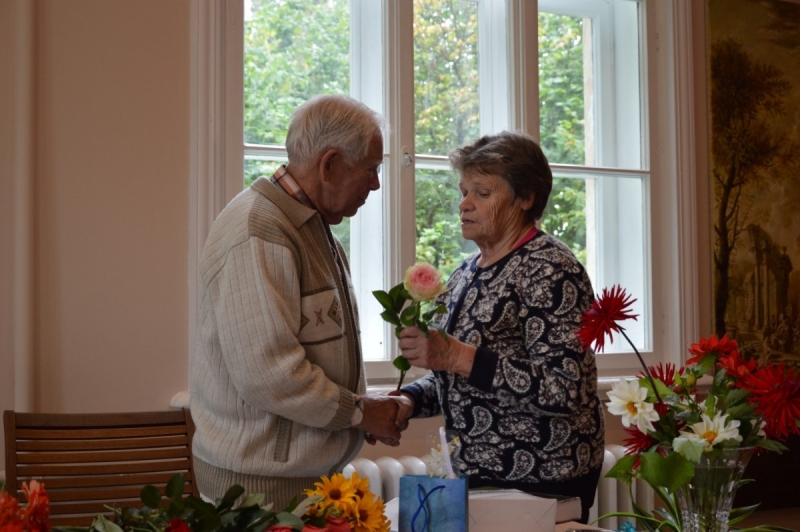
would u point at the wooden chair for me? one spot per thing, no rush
(88, 461)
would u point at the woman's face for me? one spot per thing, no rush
(489, 212)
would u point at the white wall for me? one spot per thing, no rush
(110, 208)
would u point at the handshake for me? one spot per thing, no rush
(385, 417)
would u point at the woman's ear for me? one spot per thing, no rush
(527, 203)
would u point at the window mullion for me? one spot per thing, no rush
(523, 65)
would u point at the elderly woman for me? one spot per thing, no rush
(511, 379)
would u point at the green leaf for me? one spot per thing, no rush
(690, 448)
(408, 315)
(391, 317)
(233, 493)
(289, 519)
(399, 297)
(623, 469)
(401, 363)
(772, 445)
(384, 299)
(150, 496)
(101, 524)
(175, 485)
(253, 499)
(671, 472)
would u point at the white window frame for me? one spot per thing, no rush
(216, 152)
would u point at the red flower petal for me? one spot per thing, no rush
(775, 394)
(603, 316)
(722, 347)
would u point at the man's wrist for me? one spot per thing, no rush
(358, 412)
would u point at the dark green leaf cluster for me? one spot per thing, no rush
(198, 515)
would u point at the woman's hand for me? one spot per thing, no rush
(436, 352)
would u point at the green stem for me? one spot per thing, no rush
(641, 360)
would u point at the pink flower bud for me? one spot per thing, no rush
(423, 282)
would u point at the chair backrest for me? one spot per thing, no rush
(89, 461)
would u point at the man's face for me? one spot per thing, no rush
(349, 183)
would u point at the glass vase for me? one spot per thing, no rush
(705, 503)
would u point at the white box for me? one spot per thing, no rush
(499, 510)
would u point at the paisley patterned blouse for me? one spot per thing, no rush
(529, 412)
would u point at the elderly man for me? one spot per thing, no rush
(277, 381)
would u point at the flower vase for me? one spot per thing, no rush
(705, 503)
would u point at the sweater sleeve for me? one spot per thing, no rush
(257, 309)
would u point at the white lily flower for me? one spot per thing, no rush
(714, 431)
(627, 399)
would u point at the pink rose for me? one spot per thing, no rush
(423, 282)
(337, 524)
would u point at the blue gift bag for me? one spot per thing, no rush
(433, 504)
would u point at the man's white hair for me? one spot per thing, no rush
(331, 121)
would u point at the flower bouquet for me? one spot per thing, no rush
(335, 504)
(690, 443)
(421, 284)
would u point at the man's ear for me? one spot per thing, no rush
(327, 162)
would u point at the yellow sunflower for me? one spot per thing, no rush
(336, 491)
(361, 485)
(369, 514)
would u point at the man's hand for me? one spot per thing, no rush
(379, 422)
(436, 352)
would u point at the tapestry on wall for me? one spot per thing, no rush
(755, 174)
(754, 66)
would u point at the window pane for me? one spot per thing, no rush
(565, 215)
(439, 240)
(562, 88)
(257, 167)
(446, 99)
(292, 51)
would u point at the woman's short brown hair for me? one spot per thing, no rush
(517, 158)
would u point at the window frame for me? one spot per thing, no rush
(217, 152)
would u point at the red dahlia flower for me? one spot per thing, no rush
(735, 366)
(601, 319)
(664, 373)
(722, 347)
(638, 441)
(775, 392)
(37, 512)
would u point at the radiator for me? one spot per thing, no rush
(384, 480)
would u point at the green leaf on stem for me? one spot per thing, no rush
(174, 489)
(671, 471)
(623, 469)
(391, 317)
(408, 315)
(384, 299)
(401, 363)
(150, 496)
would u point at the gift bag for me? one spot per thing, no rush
(433, 504)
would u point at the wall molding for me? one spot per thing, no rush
(23, 231)
(216, 125)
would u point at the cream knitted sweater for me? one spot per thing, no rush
(277, 357)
